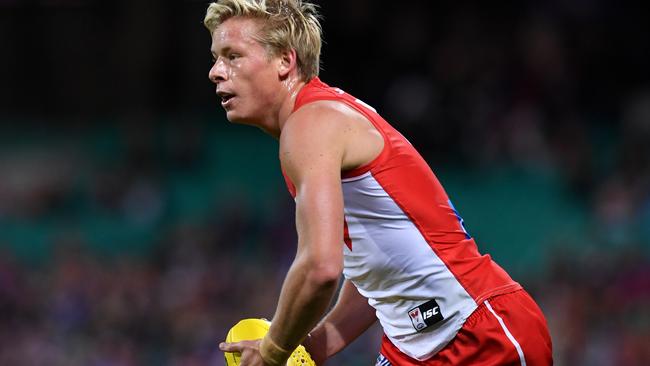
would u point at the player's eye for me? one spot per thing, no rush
(233, 56)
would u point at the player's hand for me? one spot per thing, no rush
(249, 350)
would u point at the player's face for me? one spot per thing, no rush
(245, 74)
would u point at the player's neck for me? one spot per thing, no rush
(291, 89)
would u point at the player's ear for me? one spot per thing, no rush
(288, 61)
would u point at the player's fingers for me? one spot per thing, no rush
(238, 346)
(231, 347)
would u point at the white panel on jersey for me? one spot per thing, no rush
(395, 268)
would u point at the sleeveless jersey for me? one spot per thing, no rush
(405, 247)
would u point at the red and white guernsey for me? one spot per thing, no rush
(406, 249)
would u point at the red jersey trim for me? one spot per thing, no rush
(324, 92)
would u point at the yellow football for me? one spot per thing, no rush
(250, 329)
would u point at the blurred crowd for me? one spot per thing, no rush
(169, 309)
(597, 306)
(175, 305)
(145, 256)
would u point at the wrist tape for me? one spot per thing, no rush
(271, 353)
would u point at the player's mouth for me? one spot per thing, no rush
(226, 98)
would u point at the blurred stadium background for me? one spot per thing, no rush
(137, 225)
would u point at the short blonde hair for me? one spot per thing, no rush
(285, 25)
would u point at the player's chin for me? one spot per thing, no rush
(233, 117)
(239, 118)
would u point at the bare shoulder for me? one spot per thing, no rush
(318, 125)
(314, 138)
(330, 128)
(316, 118)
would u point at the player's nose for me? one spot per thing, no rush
(217, 72)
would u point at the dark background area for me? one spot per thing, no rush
(137, 225)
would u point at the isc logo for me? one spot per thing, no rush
(425, 315)
(431, 312)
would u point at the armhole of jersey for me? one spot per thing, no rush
(359, 109)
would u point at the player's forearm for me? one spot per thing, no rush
(350, 317)
(306, 294)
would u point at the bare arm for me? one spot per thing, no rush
(350, 317)
(311, 152)
(314, 146)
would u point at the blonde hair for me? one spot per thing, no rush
(286, 24)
